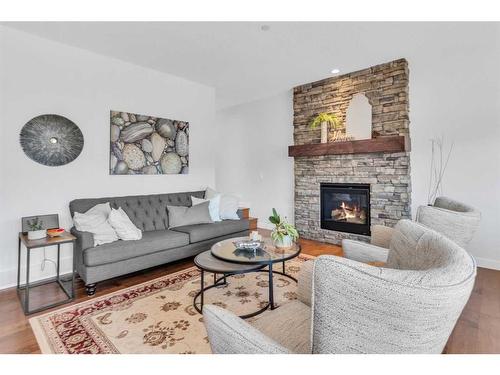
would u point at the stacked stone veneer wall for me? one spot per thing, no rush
(386, 87)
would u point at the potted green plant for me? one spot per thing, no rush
(323, 120)
(36, 232)
(284, 233)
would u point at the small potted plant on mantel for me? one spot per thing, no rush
(323, 120)
(36, 232)
(284, 233)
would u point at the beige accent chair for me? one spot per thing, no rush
(454, 219)
(346, 306)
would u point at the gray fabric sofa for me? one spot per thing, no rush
(346, 306)
(158, 245)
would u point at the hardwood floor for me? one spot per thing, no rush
(477, 331)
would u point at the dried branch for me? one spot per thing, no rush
(439, 163)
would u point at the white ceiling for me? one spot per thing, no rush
(244, 63)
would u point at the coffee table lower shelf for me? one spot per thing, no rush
(208, 263)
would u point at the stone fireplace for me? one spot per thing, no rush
(376, 172)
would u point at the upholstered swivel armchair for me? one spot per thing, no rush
(409, 307)
(454, 219)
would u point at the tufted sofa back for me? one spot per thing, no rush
(147, 212)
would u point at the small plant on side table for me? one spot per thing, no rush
(36, 232)
(283, 233)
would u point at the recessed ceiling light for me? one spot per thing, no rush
(335, 71)
(265, 27)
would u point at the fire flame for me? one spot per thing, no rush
(347, 212)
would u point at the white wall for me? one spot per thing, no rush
(38, 76)
(252, 155)
(454, 91)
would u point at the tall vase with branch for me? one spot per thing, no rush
(323, 120)
(440, 156)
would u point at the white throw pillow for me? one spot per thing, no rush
(102, 209)
(213, 206)
(228, 208)
(210, 193)
(97, 224)
(123, 226)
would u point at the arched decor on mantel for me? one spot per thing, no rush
(358, 121)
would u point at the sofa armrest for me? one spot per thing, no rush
(381, 235)
(84, 240)
(304, 286)
(229, 334)
(364, 252)
(241, 212)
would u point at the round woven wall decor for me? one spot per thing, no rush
(51, 140)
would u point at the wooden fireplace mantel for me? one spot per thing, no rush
(396, 143)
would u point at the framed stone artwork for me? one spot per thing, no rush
(142, 144)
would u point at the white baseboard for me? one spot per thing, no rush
(39, 279)
(8, 277)
(492, 264)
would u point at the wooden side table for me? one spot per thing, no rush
(23, 291)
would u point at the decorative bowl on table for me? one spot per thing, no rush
(248, 245)
(55, 232)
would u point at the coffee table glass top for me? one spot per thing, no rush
(226, 250)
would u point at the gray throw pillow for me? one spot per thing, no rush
(179, 216)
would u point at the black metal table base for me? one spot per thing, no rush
(23, 290)
(223, 281)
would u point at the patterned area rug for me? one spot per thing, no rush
(156, 316)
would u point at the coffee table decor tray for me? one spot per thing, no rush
(249, 245)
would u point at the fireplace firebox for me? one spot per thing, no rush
(345, 207)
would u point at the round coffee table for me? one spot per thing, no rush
(224, 258)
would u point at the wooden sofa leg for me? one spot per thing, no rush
(90, 288)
